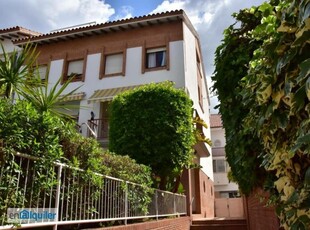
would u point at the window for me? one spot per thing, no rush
(156, 58)
(113, 64)
(200, 97)
(75, 70)
(219, 165)
(217, 143)
(42, 71)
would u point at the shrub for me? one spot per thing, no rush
(153, 125)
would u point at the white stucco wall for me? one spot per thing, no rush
(133, 76)
(218, 134)
(221, 182)
(192, 86)
(8, 46)
(182, 71)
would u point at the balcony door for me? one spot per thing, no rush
(104, 120)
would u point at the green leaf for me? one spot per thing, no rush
(265, 7)
(304, 10)
(307, 177)
(305, 220)
(301, 38)
(293, 198)
(290, 213)
(307, 88)
(304, 139)
(304, 70)
(286, 59)
(299, 98)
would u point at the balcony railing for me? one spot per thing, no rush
(100, 127)
(77, 200)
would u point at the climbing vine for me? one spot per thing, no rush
(274, 88)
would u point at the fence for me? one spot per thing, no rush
(79, 199)
(100, 127)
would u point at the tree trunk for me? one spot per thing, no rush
(163, 183)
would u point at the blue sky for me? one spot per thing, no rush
(209, 17)
(138, 7)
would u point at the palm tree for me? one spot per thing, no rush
(15, 68)
(19, 74)
(48, 100)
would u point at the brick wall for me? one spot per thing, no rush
(205, 196)
(259, 216)
(182, 223)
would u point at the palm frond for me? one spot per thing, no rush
(15, 68)
(49, 100)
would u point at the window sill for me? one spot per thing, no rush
(113, 75)
(156, 68)
(74, 79)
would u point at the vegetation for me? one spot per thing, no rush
(45, 99)
(153, 124)
(270, 73)
(14, 70)
(243, 147)
(34, 126)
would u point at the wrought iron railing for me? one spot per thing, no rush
(78, 199)
(100, 127)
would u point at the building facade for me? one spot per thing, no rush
(109, 58)
(7, 36)
(222, 186)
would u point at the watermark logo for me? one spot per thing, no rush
(31, 215)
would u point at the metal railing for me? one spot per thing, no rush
(79, 199)
(100, 127)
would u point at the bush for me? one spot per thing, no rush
(153, 125)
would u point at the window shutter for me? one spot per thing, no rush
(75, 67)
(114, 64)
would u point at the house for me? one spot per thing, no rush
(112, 57)
(222, 186)
(13, 33)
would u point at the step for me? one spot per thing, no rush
(220, 227)
(219, 221)
(219, 224)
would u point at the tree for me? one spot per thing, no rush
(153, 125)
(242, 148)
(275, 90)
(14, 69)
(48, 100)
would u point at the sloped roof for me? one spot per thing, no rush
(17, 32)
(109, 27)
(216, 121)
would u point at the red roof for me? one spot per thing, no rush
(108, 27)
(17, 32)
(216, 121)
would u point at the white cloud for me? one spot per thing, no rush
(47, 15)
(125, 13)
(210, 18)
(169, 5)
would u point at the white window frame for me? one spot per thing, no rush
(114, 64)
(152, 64)
(219, 168)
(42, 71)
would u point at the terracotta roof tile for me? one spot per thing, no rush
(101, 26)
(216, 121)
(20, 29)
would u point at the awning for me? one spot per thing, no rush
(108, 94)
(73, 97)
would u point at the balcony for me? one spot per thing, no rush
(99, 129)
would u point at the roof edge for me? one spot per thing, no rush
(111, 24)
